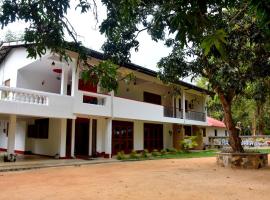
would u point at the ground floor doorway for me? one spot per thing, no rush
(153, 136)
(122, 136)
(82, 137)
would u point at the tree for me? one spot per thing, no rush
(12, 36)
(227, 40)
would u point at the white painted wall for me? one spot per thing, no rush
(167, 137)
(20, 135)
(100, 135)
(36, 80)
(138, 135)
(135, 92)
(16, 59)
(210, 132)
(50, 146)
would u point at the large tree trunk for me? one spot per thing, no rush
(260, 119)
(254, 124)
(234, 139)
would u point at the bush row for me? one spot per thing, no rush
(145, 154)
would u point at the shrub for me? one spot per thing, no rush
(134, 155)
(121, 155)
(267, 131)
(145, 153)
(163, 152)
(172, 150)
(189, 143)
(156, 153)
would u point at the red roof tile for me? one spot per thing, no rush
(215, 123)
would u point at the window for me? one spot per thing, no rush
(186, 105)
(204, 132)
(39, 130)
(152, 98)
(215, 132)
(188, 131)
(226, 133)
(179, 104)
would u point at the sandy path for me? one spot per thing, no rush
(197, 179)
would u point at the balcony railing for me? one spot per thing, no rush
(173, 112)
(22, 96)
(193, 115)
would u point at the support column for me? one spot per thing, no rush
(73, 138)
(75, 79)
(11, 134)
(64, 80)
(205, 107)
(62, 138)
(184, 103)
(108, 138)
(90, 137)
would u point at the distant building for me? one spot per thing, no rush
(215, 128)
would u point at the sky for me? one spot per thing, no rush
(150, 52)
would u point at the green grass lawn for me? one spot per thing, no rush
(195, 154)
(180, 155)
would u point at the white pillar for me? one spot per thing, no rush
(11, 134)
(62, 139)
(112, 99)
(108, 137)
(73, 138)
(90, 137)
(75, 79)
(184, 103)
(64, 80)
(205, 106)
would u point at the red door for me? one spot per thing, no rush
(122, 136)
(153, 136)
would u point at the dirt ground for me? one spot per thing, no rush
(197, 178)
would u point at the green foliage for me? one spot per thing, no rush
(163, 152)
(145, 153)
(120, 155)
(216, 40)
(171, 150)
(155, 152)
(267, 131)
(134, 155)
(189, 143)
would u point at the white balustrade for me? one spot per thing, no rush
(22, 95)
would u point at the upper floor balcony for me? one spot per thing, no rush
(51, 88)
(35, 103)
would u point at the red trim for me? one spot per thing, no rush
(2, 149)
(106, 155)
(16, 151)
(57, 70)
(103, 154)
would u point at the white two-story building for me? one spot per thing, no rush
(46, 109)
